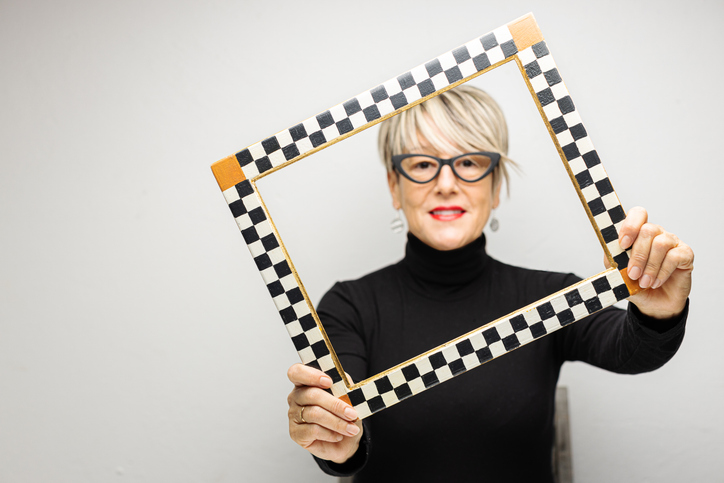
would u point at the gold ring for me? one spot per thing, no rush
(301, 415)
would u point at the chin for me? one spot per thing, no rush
(447, 243)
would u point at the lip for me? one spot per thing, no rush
(447, 213)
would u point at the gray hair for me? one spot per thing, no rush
(463, 119)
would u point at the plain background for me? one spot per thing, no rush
(138, 342)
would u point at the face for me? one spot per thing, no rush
(446, 213)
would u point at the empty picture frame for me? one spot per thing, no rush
(520, 41)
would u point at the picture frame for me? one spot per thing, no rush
(520, 41)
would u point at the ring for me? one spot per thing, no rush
(301, 416)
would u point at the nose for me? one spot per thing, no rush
(447, 182)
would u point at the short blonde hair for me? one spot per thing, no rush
(463, 119)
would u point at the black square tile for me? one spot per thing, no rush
(489, 41)
(461, 54)
(325, 119)
(383, 385)
(244, 157)
(352, 106)
(437, 360)
(406, 81)
(481, 61)
(270, 242)
(379, 93)
(237, 208)
(317, 138)
(453, 74)
(270, 145)
(371, 113)
(433, 68)
(298, 132)
(263, 164)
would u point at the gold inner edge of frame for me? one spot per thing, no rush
(481, 328)
(328, 343)
(335, 359)
(554, 138)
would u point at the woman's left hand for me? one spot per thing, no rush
(660, 262)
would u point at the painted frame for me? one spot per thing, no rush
(520, 41)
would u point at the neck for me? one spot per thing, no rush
(453, 267)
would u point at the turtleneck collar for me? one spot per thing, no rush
(453, 267)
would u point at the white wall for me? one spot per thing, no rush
(137, 341)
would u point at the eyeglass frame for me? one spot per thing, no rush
(398, 158)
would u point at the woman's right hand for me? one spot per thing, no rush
(324, 425)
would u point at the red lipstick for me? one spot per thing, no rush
(447, 213)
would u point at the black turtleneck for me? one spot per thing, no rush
(494, 423)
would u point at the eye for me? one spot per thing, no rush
(419, 164)
(422, 165)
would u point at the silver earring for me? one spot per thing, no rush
(494, 223)
(397, 225)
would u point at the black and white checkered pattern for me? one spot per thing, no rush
(573, 140)
(275, 269)
(371, 106)
(492, 341)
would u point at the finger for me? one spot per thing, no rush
(635, 219)
(641, 249)
(302, 375)
(318, 397)
(306, 434)
(325, 419)
(661, 244)
(679, 258)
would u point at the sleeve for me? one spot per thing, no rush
(342, 321)
(623, 341)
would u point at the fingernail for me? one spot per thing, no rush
(350, 414)
(352, 429)
(657, 284)
(339, 437)
(325, 381)
(625, 242)
(634, 273)
(645, 281)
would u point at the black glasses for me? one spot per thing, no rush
(423, 168)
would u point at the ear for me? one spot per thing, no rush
(393, 181)
(496, 195)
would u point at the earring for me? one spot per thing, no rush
(494, 223)
(397, 225)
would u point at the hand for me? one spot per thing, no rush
(660, 262)
(328, 427)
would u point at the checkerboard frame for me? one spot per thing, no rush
(520, 41)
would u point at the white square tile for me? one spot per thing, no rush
(365, 99)
(526, 56)
(231, 195)
(294, 328)
(447, 60)
(338, 112)
(307, 355)
(284, 138)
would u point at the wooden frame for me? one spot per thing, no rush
(520, 41)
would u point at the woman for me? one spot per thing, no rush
(494, 423)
